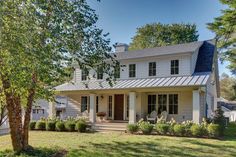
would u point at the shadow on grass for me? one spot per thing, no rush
(147, 149)
(36, 152)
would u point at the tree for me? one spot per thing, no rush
(39, 41)
(224, 27)
(228, 87)
(157, 34)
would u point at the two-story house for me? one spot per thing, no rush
(180, 79)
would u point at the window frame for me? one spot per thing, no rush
(162, 106)
(97, 102)
(84, 74)
(152, 103)
(132, 70)
(86, 105)
(110, 106)
(173, 105)
(174, 67)
(152, 68)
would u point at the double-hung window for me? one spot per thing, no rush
(151, 103)
(84, 103)
(152, 69)
(174, 67)
(132, 70)
(162, 103)
(84, 74)
(173, 103)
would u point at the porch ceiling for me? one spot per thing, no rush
(161, 82)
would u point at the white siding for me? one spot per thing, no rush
(193, 60)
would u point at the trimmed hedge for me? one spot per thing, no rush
(162, 128)
(132, 128)
(70, 126)
(40, 125)
(81, 126)
(60, 126)
(179, 130)
(50, 125)
(32, 125)
(146, 127)
(214, 130)
(197, 130)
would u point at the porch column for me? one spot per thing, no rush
(196, 106)
(132, 107)
(92, 114)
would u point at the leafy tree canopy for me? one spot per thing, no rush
(228, 87)
(224, 27)
(157, 34)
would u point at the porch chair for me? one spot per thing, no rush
(163, 116)
(152, 117)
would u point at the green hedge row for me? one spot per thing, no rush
(177, 129)
(59, 125)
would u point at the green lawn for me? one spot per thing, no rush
(122, 144)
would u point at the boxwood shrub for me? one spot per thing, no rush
(70, 125)
(132, 128)
(32, 125)
(162, 128)
(179, 130)
(40, 125)
(50, 125)
(60, 126)
(146, 127)
(81, 126)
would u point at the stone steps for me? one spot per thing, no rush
(121, 127)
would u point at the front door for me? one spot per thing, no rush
(119, 107)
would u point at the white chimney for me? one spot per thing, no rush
(121, 47)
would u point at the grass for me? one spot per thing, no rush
(122, 144)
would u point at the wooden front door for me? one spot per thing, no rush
(119, 107)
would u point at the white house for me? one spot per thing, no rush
(229, 108)
(180, 79)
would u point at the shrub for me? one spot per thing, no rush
(81, 126)
(162, 128)
(171, 123)
(60, 126)
(70, 125)
(197, 130)
(132, 128)
(214, 130)
(179, 129)
(32, 125)
(50, 125)
(40, 125)
(188, 124)
(219, 118)
(146, 127)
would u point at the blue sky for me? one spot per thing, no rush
(120, 18)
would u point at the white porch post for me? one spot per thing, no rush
(132, 107)
(92, 114)
(196, 106)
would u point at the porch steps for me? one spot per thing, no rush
(103, 127)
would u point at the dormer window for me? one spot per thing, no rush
(100, 73)
(84, 74)
(174, 67)
(132, 70)
(152, 69)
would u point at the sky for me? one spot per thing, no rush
(121, 18)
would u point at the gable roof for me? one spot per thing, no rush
(158, 51)
(205, 57)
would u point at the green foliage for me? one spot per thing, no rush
(197, 130)
(162, 128)
(187, 125)
(179, 129)
(40, 125)
(60, 126)
(50, 125)
(224, 27)
(157, 34)
(228, 87)
(230, 130)
(132, 128)
(70, 125)
(81, 126)
(171, 123)
(32, 125)
(219, 118)
(146, 127)
(214, 130)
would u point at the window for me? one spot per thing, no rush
(100, 73)
(174, 67)
(127, 107)
(84, 103)
(110, 106)
(97, 104)
(117, 71)
(132, 72)
(151, 103)
(162, 103)
(152, 69)
(84, 74)
(173, 103)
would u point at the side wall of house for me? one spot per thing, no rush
(211, 95)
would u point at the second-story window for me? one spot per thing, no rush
(117, 71)
(100, 73)
(84, 74)
(174, 67)
(152, 69)
(132, 70)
